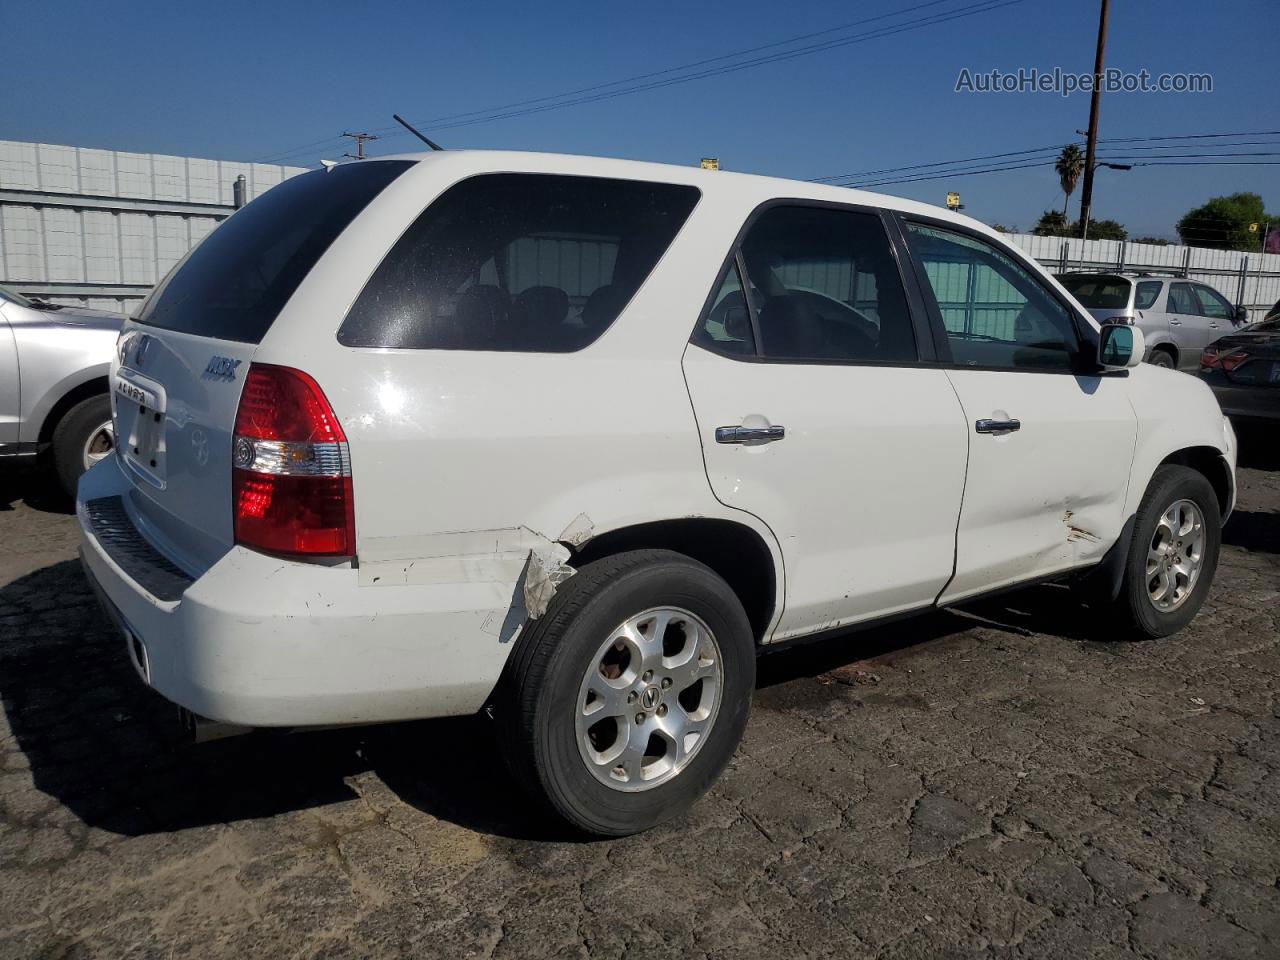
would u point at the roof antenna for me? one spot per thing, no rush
(405, 123)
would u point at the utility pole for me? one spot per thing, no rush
(1091, 147)
(360, 139)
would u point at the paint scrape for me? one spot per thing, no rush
(544, 571)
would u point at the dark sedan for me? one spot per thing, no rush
(1243, 368)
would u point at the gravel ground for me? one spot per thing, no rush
(999, 780)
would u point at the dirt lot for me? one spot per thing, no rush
(1000, 780)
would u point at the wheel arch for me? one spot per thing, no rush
(1166, 346)
(1210, 462)
(82, 391)
(733, 550)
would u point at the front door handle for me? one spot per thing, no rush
(749, 434)
(1174, 322)
(997, 426)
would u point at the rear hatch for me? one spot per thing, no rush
(180, 365)
(1107, 297)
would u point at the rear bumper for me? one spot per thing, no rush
(265, 642)
(1244, 402)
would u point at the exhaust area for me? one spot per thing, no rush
(198, 729)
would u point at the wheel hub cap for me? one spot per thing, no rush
(100, 443)
(648, 700)
(1175, 556)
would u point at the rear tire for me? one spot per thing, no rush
(636, 627)
(1173, 555)
(82, 437)
(1161, 358)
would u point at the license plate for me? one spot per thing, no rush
(139, 395)
(139, 419)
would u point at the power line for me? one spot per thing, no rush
(598, 92)
(1056, 147)
(984, 6)
(1029, 163)
(682, 67)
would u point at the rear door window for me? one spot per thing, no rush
(824, 287)
(1148, 291)
(1183, 300)
(518, 262)
(232, 285)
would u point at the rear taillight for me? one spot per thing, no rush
(291, 473)
(1213, 359)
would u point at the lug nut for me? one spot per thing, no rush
(632, 697)
(639, 718)
(648, 675)
(662, 710)
(666, 682)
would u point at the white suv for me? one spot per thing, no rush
(573, 438)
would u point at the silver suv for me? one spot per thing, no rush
(53, 383)
(1178, 317)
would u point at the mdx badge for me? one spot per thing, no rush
(224, 368)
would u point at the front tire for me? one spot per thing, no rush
(626, 700)
(1173, 555)
(82, 437)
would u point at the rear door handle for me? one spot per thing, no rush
(997, 426)
(749, 434)
(1174, 322)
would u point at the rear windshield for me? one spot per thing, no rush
(518, 262)
(232, 285)
(1098, 293)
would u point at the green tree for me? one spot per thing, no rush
(1154, 241)
(1103, 230)
(1223, 223)
(1069, 167)
(1052, 223)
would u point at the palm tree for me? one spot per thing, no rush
(1069, 166)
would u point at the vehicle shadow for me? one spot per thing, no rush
(110, 750)
(34, 485)
(1254, 531)
(1257, 447)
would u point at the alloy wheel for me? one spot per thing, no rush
(649, 699)
(1175, 556)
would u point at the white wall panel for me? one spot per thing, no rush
(63, 245)
(23, 243)
(101, 247)
(137, 248)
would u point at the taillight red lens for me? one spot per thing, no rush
(1233, 360)
(1209, 358)
(291, 476)
(280, 403)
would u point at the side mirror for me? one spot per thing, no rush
(1242, 315)
(1120, 345)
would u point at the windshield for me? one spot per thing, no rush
(232, 285)
(1098, 293)
(14, 297)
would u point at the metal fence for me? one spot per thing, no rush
(1248, 279)
(100, 227)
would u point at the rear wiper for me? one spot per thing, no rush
(976, 336)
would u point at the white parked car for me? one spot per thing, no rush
(573, 438)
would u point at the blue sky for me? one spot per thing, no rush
(240, 81)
